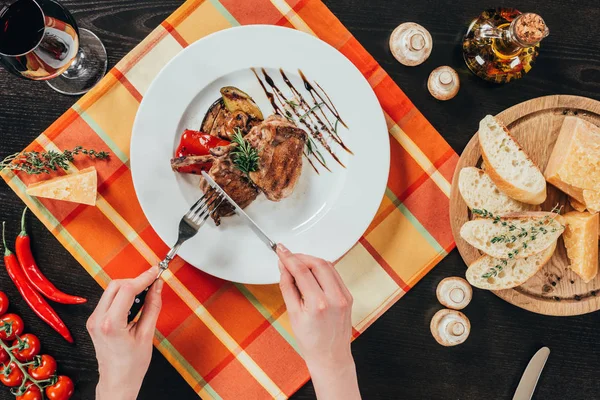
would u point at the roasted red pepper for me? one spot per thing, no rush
(195, 143)
(33, 273)
(31, 296)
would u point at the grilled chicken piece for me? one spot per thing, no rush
(234, 182)
(280, 146)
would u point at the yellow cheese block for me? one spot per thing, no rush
(581, 241)
(574, 165)
(81, 187)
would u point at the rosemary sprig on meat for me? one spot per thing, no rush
(244, 156)
(35, 163)
(515, 233)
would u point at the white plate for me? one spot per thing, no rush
(326, 214)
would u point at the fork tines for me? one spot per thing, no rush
(204, 207)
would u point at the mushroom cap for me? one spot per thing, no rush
(443, 83)
(411, 44)
(450, 327)
(454, 292)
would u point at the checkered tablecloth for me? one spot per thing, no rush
(228, 340)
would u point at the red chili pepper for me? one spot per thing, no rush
(31, 296)
(33, 273)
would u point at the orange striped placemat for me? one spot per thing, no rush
(227, 340)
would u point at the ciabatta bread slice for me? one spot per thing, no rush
(507, 164)
(491, 273)
(480, 192)
(516, 235)
(581, 241)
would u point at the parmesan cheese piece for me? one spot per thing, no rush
(581, 241)
(81, 187)
(574, 165)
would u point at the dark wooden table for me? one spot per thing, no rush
(396, 358)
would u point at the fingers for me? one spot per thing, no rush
(291, 295)
(129, 288)
(305, 280)
(329, 279)
(108, 296)
(147, 322)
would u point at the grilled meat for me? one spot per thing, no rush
(233, 181)
(280, 145)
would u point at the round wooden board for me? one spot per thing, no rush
(555, 289)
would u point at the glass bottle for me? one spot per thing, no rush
(502, 44)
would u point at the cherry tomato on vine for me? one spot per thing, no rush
(33, 392)
(4, 357)
(11, 326)
(11, 375)
(29, 347)
(44, 368)
(3, 303)
(61, 390)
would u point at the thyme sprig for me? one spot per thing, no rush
(306, 114)
(311, 148)
(540, 228)
(244, 156)
(35, 162)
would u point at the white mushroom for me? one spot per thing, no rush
(443, 83)
(454, 292)
(450, 327)
(411, 44)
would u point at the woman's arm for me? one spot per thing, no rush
(124, 350)
(320, 306)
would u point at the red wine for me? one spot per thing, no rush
(38, 39)
(21, 27)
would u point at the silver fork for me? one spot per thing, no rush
(189, 225)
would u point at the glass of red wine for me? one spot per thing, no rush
(40, 40)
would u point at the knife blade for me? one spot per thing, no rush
(253, 225)
(531, 375)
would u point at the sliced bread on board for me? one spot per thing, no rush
(497, 274)
(507, 164)
(516, 235)
(480, 192)
(581, 241)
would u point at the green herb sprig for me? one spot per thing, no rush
(539, 229)
(35, 163)
(311, 148)
(306, 114)
(244, 156)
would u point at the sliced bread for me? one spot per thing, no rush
(496, 274)
(480, 192)
(507, 164)
(516, 235)
(581, 241)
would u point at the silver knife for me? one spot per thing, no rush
(259, 232)
(531, 375)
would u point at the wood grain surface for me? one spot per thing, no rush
(397, 358)
(535, 124)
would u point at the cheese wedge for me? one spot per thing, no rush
(81, 187)
(574, 165)
(581, 241)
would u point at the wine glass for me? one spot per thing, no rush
(40, 40)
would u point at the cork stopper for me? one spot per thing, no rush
(529, 29)
(443, 83)
(411, 44)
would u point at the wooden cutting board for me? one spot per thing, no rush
(555, 289)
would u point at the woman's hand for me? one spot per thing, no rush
(124, 350)
(320, 306)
